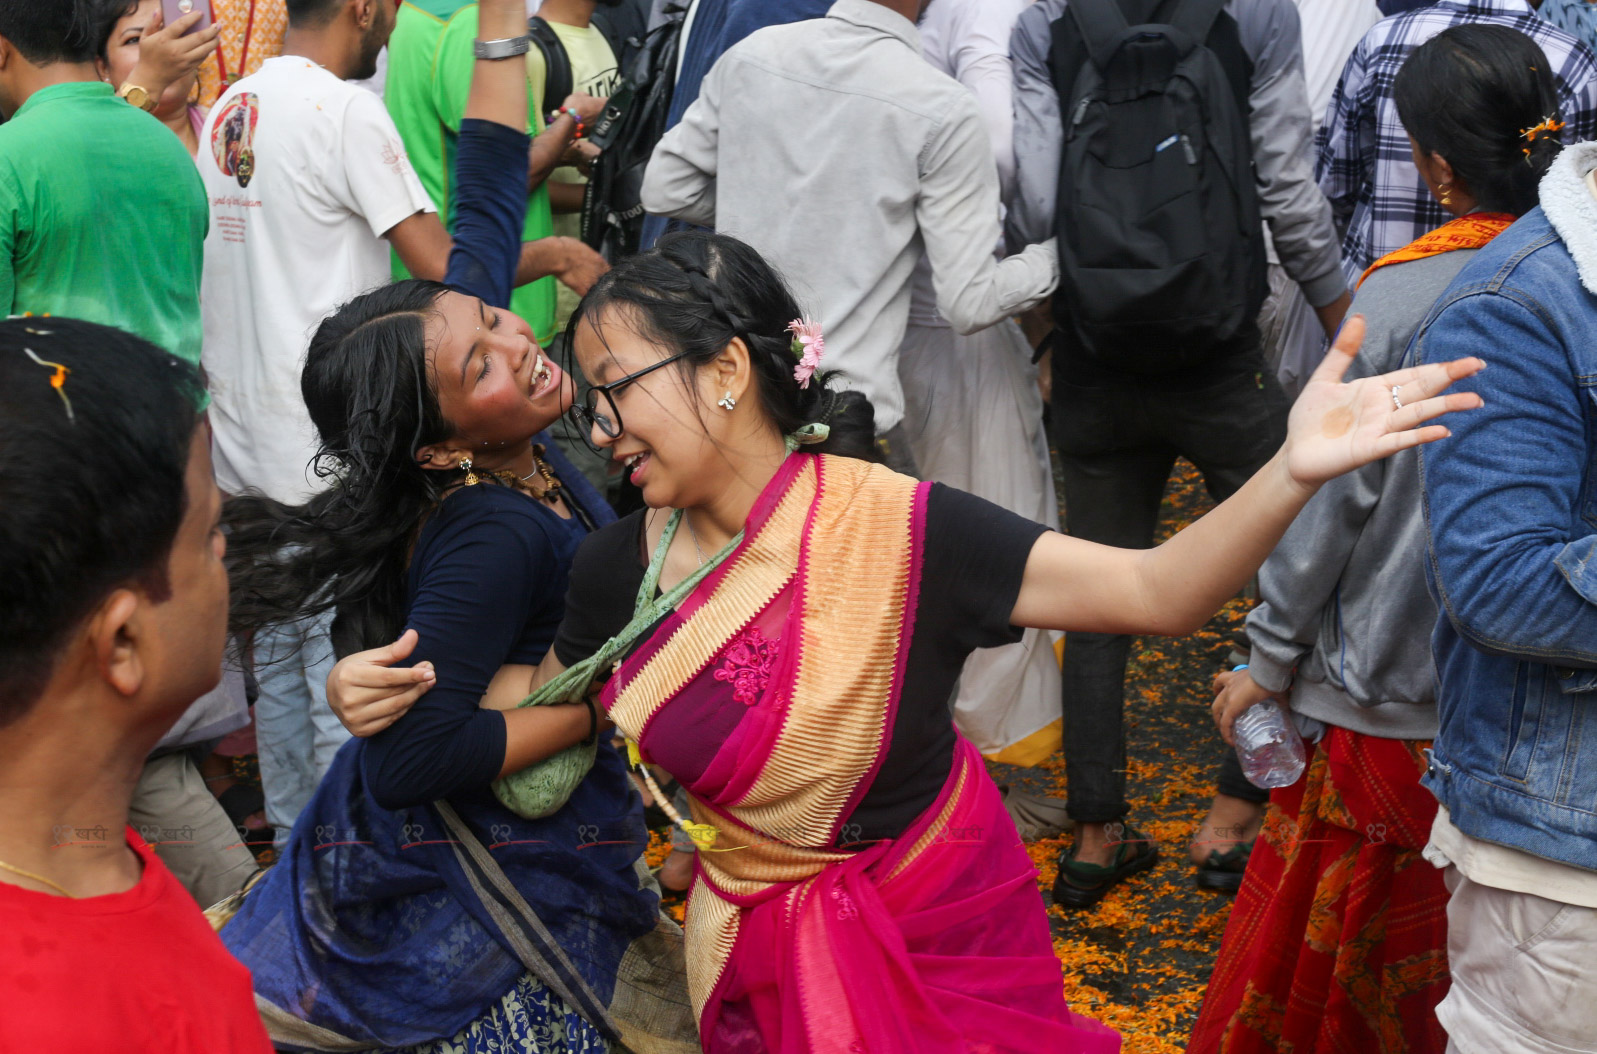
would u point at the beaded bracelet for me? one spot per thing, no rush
(570, 111)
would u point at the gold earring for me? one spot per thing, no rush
(1445, 189)
(472, 479)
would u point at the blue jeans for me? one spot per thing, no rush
(296, 731)
(1118, 439)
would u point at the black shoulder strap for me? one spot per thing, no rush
(1101, 24)
(557, 83)
(623, 26)
(1196, 17)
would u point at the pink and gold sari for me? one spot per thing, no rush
(770, 694)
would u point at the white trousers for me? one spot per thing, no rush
(1524, 972)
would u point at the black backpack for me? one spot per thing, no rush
(1161, 252)
(626, 133)
(622, 27)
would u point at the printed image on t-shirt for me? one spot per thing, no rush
(233, 135)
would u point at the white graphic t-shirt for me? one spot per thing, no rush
(305, 174)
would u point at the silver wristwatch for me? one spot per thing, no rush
(503, 48)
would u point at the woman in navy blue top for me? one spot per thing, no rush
(410, 909)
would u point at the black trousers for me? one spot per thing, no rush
(1118, 437)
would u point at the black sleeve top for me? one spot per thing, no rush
(485, 589)
(975, 558)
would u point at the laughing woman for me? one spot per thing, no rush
(864, 889)
(410, 909)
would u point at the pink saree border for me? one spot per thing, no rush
(759, 515)
(906, 635)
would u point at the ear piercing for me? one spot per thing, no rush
(726, 402)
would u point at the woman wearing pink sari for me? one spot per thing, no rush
(862, 888)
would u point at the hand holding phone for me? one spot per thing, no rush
(169, 51)
(174, 11)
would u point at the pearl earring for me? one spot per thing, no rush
(726, 402)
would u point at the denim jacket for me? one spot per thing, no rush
(1511, 515)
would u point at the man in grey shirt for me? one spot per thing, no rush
(1118, 433)
(835, 150)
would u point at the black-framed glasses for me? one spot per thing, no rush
(587, 413)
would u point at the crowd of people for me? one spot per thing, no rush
(522, 424)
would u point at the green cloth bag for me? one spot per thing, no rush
(543, 787)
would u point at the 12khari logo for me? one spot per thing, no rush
(233, 137)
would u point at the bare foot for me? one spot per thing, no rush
(676, 874)
(1230, 821)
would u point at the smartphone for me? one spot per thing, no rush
(172, 10)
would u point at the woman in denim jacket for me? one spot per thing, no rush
(1511, 515)
(1342, 633)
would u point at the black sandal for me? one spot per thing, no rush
(1222, 872)
(1081, 885)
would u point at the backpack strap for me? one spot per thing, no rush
(1102, 26)
(557, 82)
(623, 27)
(1105, 25)
(1196, 17)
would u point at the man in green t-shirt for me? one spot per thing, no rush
(429, 77)
(102, 213)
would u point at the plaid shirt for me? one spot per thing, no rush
(1377, 197)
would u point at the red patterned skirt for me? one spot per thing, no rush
(1338, 940)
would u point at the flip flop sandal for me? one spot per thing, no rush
(1081, 885)
(1222, 872)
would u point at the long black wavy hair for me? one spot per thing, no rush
(370, 395)
(1470, 94)
(368, 388)
(696, 290)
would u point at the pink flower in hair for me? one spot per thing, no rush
(808, 346)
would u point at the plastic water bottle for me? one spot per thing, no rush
(1270, 749)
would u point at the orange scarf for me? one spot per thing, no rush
(1466, 232)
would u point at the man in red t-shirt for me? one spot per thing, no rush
(112, 619)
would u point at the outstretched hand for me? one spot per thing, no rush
(1336, 427)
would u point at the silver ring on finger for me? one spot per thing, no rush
(1395, 400)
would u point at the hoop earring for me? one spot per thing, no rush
(726, 402)
(472, 479)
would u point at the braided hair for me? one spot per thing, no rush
(696, 290)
